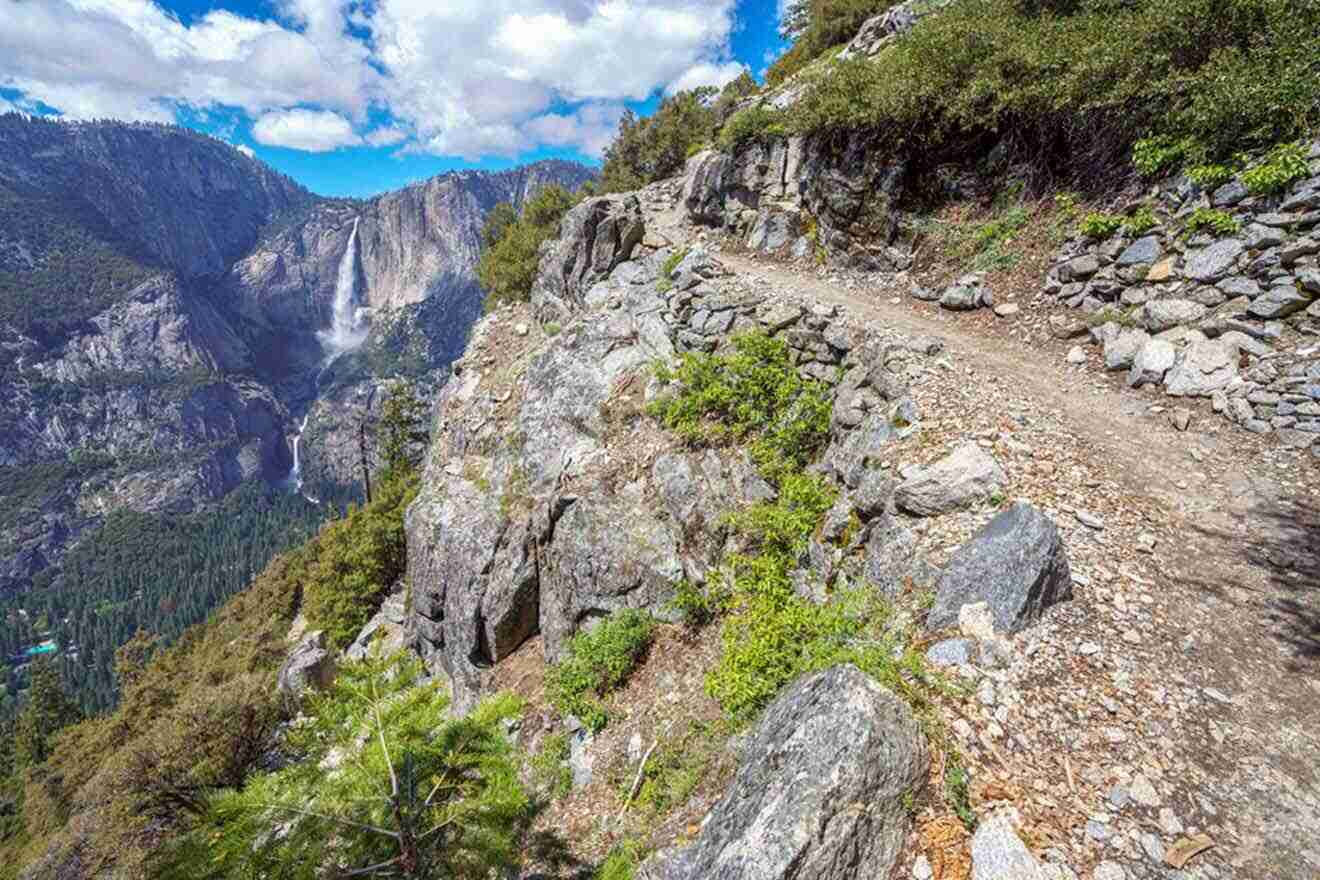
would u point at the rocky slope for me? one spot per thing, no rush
(160, 299)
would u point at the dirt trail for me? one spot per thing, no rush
(1205, 673)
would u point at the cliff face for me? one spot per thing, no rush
(160, 299)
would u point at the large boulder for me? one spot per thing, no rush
(1204, 367)
(819, 792)
(703, 187)
(1016, 564)
(594, 238)
(310, 665)
(966, 476)
(891, 563)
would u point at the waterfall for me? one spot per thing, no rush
(347, 329)
(295, 480)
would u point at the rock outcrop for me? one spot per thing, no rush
(594, 238)
(819, 791)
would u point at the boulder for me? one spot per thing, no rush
(891, 563)
(310, 665)
(703, 186)
(594, 238)
(820, 789)
(966, 476)
(1122, 350)
(1164, 314)
(1142, 251)
(1016, 564)
(967, 293)
(1204, 367)
(1279, 302)
(1211, 263)
(998, 853)
(1151, 363)
(386, 632)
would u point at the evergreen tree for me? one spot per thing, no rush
(47, 711)
(402, 427)
(508, 266)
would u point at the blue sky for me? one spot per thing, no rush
(354, 97)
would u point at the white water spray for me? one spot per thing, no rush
(295, 478)
(347, 328)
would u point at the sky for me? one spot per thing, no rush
(355, 97)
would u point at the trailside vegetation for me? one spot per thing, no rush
(1072, 85)
(510, 255)
(816, 26)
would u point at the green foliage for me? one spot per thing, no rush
(1097, 225)
(599, 660)
(815, 26)
(549, 768)
(1221, 223)
(1140, 221)
(621, 863)
(674, 769)
(1283, 164)
(957, 792)
(1210, 177)
(417, 793)
(667, 269)
(510, 257)
(47, 711)
(1077, 86)
(755, 123)
(498, 221)
(402, 429)
(358, 560)
(752, 392)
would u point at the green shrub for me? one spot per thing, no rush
(1154, 155)
(549, 767)
(1210, 177)
(599, 660)
(757, 123)
(666, 282)
(1221, 223)
(752, 392)
(1281, 166)
(674, 769)
(1097, 225)
(818, 26)
(1140, 221)
(621, 863)
(509, 260)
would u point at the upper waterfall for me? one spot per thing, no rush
(347, 328)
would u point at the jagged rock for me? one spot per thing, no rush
(831, 743)
(309, 665)
(967, 293)
(1122, 350)
(879, 30)
(1155, 359)
(703, 186)
(1142, 251)
(964, 477)
(892, 563)
(999, 854)
(1279, 302)
(594, 238)
(1165, 314)
(850, 456)
(385, 633)
(1201, 369)
(773, 229)
(1214, 262)
(1016, 563)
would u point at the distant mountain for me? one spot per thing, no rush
(160, 299)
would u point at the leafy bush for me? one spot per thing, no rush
(599, 660)
(754, 391)
(1140, 221)
(671, 262)
(1221, 223)
(1281, 166)
(1077, 87)
(1153, 155)
(509, 260)
(621, 863)
(549, 766)
(815, 26)
(417, 793)
(1210, 177)
(358, 560)
(758, 122)
(1096, 225)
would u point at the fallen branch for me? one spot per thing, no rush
(641, 769)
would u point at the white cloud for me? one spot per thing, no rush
(707, 74)
(316, 131)
(246, 150)
(461, 77)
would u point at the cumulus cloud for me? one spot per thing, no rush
(246, 150)
(462, 77)
(316, 131)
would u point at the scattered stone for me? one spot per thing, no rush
(1279, 302)
(1016, 563)
(1098, 831)
(1203, 368)
(999, 854)
(950, 652)
(1076, 355)
(976, 621)
(1109, 871)
(1143, 792)
(520, 329)
(964, 477)
(1180, 418)
(1088, 649)
(1152, 362)
(965, 294)
(1090, 520)
(921, 869)
(1166, 314)
(1007, 310)
(1214, 262)
(1169, 823)
(1143, 250)
(310, 665)
(1122, 350)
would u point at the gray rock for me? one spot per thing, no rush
(1076, 355)
(1279, 302)
(1214, 262)
(1165, 314)
(1309, 281)
(1229, 194)
(1259, 238)
(594, 237)
(1203, 368)
(819, 792)
(1142, 251)
(1122, 350)
(1109, 871)
(1151, 363)
(703, 186)
(950, 652)
(1016, 564)
(965, 294)
(1239, 285)
(310, 665)
(1082, 267)
(386, 632)
(891, 563)
(999, 854)
(964, 477)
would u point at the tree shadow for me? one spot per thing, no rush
(1283, 540)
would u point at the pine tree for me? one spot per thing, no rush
(47, 711)
(402, 427)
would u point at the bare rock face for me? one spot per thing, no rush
(595, 237)
(819, 791)
(310, 665)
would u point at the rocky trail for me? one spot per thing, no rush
(1178, 694)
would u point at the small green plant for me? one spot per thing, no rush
(599, 661)
(696, 606)
(549, 767)
(1211, 177)
(621, 863)
(666, 282)
(673, 770)
(1220, 223)
(752, 123)
(957, 791)
(1153, 155)
(553, 329)
(1098, 225)
(1281, 166)
(1140, 221)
